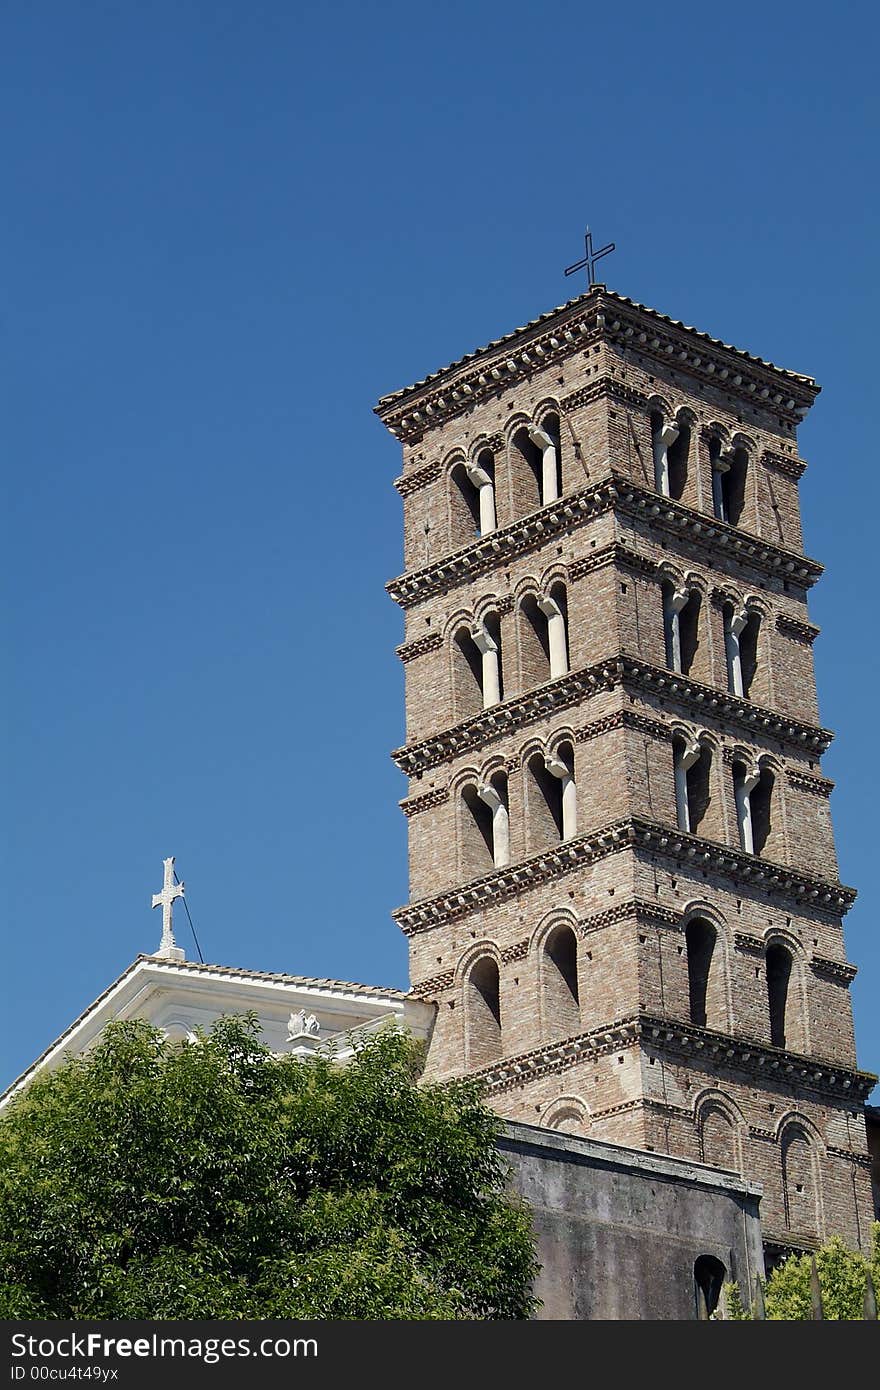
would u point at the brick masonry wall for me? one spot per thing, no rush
(626, 907)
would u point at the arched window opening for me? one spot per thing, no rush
(464, 507)
(693, 783)
(663, 436)
(555, 610)
(482, 478)
(561, 999)
(681, 626)
(483, 1013)
(544, 637)
(778, 964)
(526, 472)
(477, 842)
(748, 651)
(467, 671)
(718, 1139)
(744, 782)
(700, 939)
(761, 805)
(689, 631)
(547, 439)
(719, 465)
(677, 457)
(799, 1182)
(552, 798)
(709, 1277)
(534, 643)
(735, 620)
(489, 642)
(733, 486)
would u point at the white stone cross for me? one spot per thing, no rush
(170, 892)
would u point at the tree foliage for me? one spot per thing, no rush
(842, 1280)
(151, 1179)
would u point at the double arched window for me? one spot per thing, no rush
(682, 604)
(485, 829)
(478, 676)
(671, 447)
(551, 797)
(472, 499)
(742, 623)
(692, 762)
(753, 788)
(543, 636)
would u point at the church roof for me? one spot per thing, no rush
(126, 982)
(602, 293)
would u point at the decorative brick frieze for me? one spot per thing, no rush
(699, 700)
(721, 1050)
(648, 914)
(598, 314)
(414, 805)
(749, 944)
(775, 880)
(780, 463)
(435, 985)
(558, 1056)
(410, 650)
(718, 540)
(796, 629)
(613, 554)
(623, 719)
(604, 387)
(518, 951)
(806, 782)
(504, 605)
(509, 882)
(778, 880)
(765, 1135)
(839, 970)
(412, 482)
(849, 1156)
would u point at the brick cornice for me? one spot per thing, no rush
(817, 1074)
(613, 554)
(782, 463)
(638, 910)
(711, 1050)
(605, 387)
(797, 629)
(807, 782)
(436, 984)
(429, 643)
(688, 851)
(414, 805)
(825, 895)
(625, 670)
(839, 970)
(616, 493)
(419, 478)
(598, 314)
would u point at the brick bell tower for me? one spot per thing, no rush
(624, 894)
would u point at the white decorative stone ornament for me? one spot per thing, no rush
(166, 899)
(302, 1025)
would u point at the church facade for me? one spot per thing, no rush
(624, 894)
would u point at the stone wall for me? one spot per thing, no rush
(618, 1231)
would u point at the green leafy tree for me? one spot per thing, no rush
(151, 1179)
(842, 1280)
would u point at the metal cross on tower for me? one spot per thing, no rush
(589, 261)
(170, 892)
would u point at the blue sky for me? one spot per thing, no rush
(227, 229)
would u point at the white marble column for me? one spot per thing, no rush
(720, 466)
(555, 636)
(743, 785)
(549, 484)
(675, 602)
(686, 754)
(557, 768)
(734, 622)
(662, 441)
(486, 495)
(500, 824)
(488, 650)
